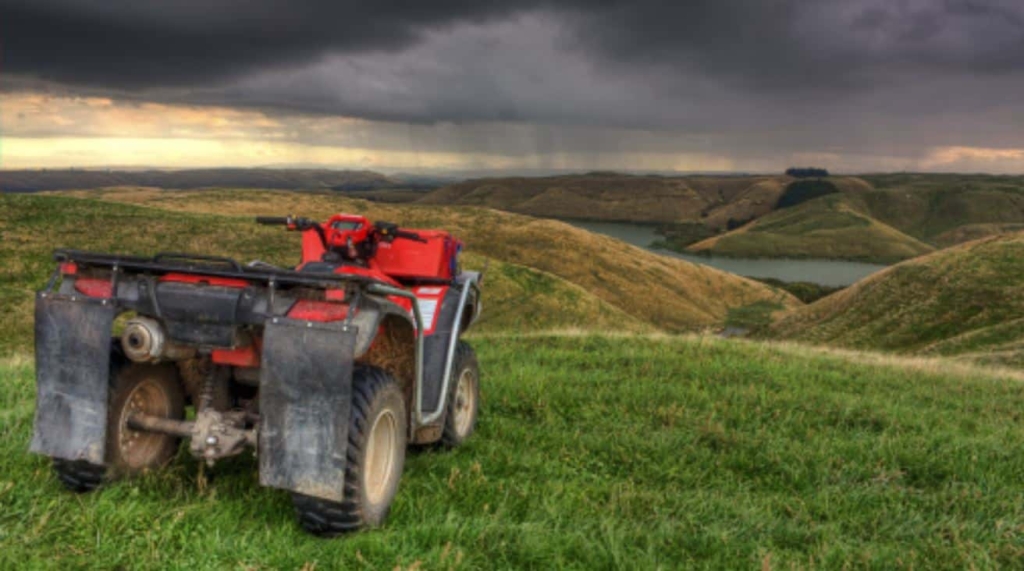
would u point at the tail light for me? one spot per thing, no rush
(94, 287)
(318, 311)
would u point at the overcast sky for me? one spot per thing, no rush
(746, 85)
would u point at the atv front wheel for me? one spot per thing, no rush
(464, 397)
(377, 434)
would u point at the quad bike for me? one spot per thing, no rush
(327, 370)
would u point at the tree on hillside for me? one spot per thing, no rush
(800, 191)
(807, 172)
(735, 223)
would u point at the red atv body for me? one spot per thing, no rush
(327, 370)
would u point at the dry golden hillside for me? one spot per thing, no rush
(519, 298)
(832, 226)
(963, 301)
(620, 197)
(754, 201)
(667, 292)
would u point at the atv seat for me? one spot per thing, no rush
(318, 267)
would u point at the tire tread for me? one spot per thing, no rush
(465, 356)
(324, 517)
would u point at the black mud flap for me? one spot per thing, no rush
(72, 375)
(305, 402)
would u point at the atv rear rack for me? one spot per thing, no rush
(272, 278)
(171, 262)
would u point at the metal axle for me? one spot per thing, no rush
(213, 435)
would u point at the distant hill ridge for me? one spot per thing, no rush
(609, 196)
(283, 179)
(881, 218)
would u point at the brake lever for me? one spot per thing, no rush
(302, 224)
(411, 236)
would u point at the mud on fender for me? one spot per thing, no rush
(305, 400)
(73, 343)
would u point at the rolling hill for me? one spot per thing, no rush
(964, 301)
(832, 226)
(935, 207)
(543, 274)
(711, 200)
(882, 218)
(878, 218)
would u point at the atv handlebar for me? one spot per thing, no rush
(273, 220)
(386, 231)
(410, 236)
(292, 222)
(389, 231)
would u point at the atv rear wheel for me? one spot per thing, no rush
(78, 475)
(154, 390)
(377, 434)
(464, 397)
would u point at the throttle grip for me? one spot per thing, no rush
(273, 220)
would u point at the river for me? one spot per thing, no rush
(825, 272)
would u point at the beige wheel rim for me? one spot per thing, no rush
(380, 456)
(465, 401)
(139, 448)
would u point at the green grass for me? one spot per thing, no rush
(596, 453)
(754, 317)
(807, 292)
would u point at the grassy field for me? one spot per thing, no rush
(963, 301)
(594, 450)
(596, 453)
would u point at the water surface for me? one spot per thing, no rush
(825, 272)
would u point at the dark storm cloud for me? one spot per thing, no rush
(770, 43)
(135, 44)
(737, 76)
(805, 45)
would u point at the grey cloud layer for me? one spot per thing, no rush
(769, 43)
(908, 72)
(139, 44)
